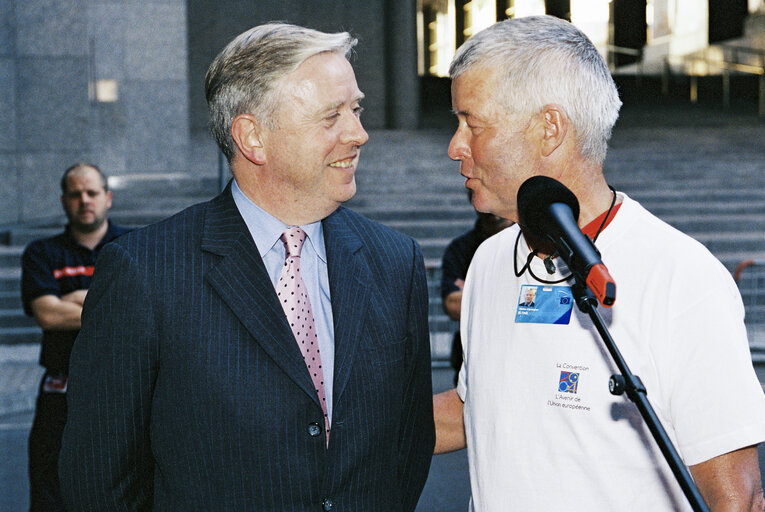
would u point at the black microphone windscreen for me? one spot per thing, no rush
(535, 196)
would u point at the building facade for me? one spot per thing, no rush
(120, 83)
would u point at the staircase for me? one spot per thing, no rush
(698, 167)
(137, 202)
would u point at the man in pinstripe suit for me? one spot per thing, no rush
(187, 388)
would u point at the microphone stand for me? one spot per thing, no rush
(627, 382)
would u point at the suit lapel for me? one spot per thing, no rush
(349, 278)
(241, 280)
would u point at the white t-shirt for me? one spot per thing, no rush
(543, 431)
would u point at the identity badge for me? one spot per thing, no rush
(54, 384)
(540, 304)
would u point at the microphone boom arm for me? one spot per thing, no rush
(628, 383)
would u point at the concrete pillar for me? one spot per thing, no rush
(402, 81)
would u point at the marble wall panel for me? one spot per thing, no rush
(52, 103)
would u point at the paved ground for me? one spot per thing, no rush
(447, 489)
(19, 377)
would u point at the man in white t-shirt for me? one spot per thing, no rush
(532, 405)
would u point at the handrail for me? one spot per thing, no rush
(632, 52)
(740, 268)
(744, 265)
(741, 48)
(725, 65)
(635, 52)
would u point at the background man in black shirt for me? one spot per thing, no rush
(56, 273)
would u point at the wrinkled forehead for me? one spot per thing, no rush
(478, 84)
(325, 80)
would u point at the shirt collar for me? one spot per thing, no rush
(266, 229)
(112, 232)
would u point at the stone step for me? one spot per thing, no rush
(401, 202)
(742, 236)
(433, 248)
(10, 280)
(659, 207)
(19, 335)
(751, 283)
(755, 316)
(10, 299)
(15, 318)
(421, 228)
(681, 195)
(717, 243)
(428, 222)
(738, 241)
(753, 298)
(752, 272)
(443, 206)
(658, 184)
(418, 212)
(173, 186)
(10, 256)
(21, 236)
(731, 259)
(149, 207)
(722, 222)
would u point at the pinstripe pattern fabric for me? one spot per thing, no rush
(188, 392)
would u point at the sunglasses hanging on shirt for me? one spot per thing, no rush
(548, 260)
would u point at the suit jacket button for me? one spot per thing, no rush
(327, 504)
(314, 430)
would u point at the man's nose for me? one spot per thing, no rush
(354, 132)
(458, 149)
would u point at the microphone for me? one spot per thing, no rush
(546, 208)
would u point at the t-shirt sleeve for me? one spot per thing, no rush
(37, 277)
(717, 403)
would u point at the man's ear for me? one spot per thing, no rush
(555, 125)
(248, 137)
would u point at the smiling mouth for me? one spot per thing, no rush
(344, 164)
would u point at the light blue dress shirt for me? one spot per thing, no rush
(266, 231)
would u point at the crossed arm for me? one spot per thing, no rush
(728, 483)
(59, 313)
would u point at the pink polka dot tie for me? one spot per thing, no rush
(293, 296)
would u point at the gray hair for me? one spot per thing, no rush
(544, 60)
(243, 77)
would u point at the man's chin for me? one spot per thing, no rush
(345, 192)
(87, 227)
(479, 205)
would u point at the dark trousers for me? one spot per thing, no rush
(44, 446)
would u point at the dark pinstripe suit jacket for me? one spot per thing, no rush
(188, 392)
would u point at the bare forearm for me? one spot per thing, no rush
(731, 482)
(53, 313)
(75, 297)
(450, 427)
(453, 305)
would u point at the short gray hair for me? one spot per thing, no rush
(544, 60)
(243, 77)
